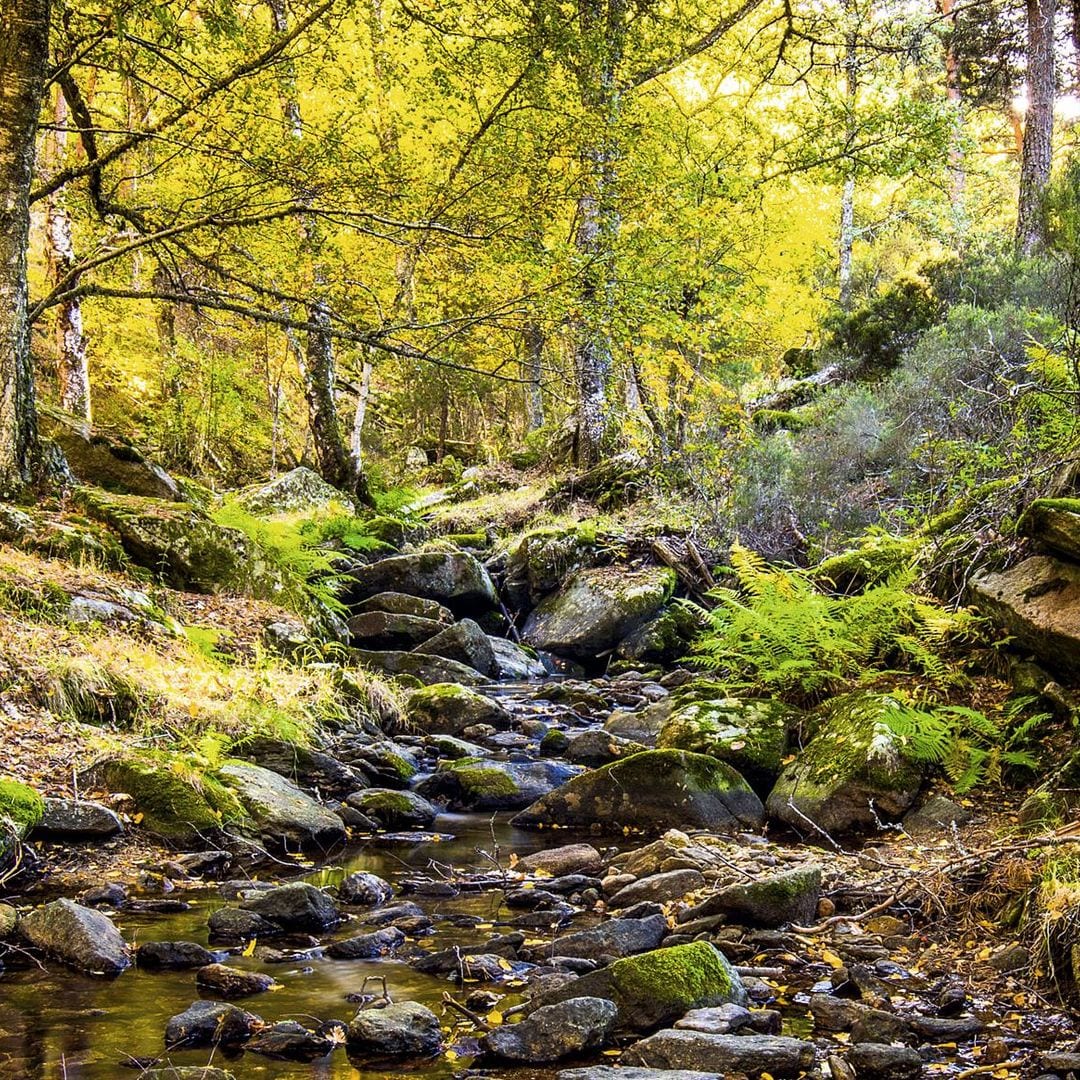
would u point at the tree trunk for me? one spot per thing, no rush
(847, 197)
(534, 373)
(72, 370)
(24, 55)
(337, 466)
(603, 31)
(1037, 151)
(356, 442)
(957, 178)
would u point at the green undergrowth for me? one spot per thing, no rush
(310, 583)
(777, 633)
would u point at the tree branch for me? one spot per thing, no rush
(703, 43)
(192, 102)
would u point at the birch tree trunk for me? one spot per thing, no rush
(847, 197)
(603, 33)
(24, 54)
(337, 464)
(72, 368)
(1037, 153)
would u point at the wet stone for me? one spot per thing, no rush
(362, 889)
(367, 946)
(404, 1029)
(296, 906)
(173, 955)
(231, 982)
(289, 1041)
(877, 1061)
(555, 1031)
(209, 1023)
(750, 1054)
(233, 924)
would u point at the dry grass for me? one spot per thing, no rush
(70, 689)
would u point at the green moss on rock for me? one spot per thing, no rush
(21, 805)
(751, 735)
(650, 792)
(183, 809)
(854, 770)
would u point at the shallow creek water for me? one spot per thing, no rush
(58, 1025)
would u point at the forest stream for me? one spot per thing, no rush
(897, 977)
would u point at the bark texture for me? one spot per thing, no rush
(72, 365)
(1037, 153)
(24, 53)
(603, 33)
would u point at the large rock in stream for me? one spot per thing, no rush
(651, 791)
(452, 578)
(854, 771)
(751, 735)
(471, 784)
(78, 936)
(555, 1031)
(284, 815)
(658, 987)
(466, 643)
(427, 669)
(172, 807)
(722, 1055)
(448, 709)
(597, 608)
(1038, 604)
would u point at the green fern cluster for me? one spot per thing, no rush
(778, 633)
(970, 748)
(310, 582)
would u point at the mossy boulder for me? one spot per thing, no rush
(655, 988)
(877, 557)
(770, 901)
(483, 784)
(183, 809)
(448, 709)
(299, 491)
(1054, 523)
(854, 771)
(95, 457)
(514, 662)
(665, 639)
(397, 603)
(283, 814)
(391, 630)
(541, 560)
(1037, 603)
(750, 734)
(597, 608)
(454, 579)
(394, 809)
(182, 544)
(21, 805)
(641, 725)
(651, 792)
(21, 808)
